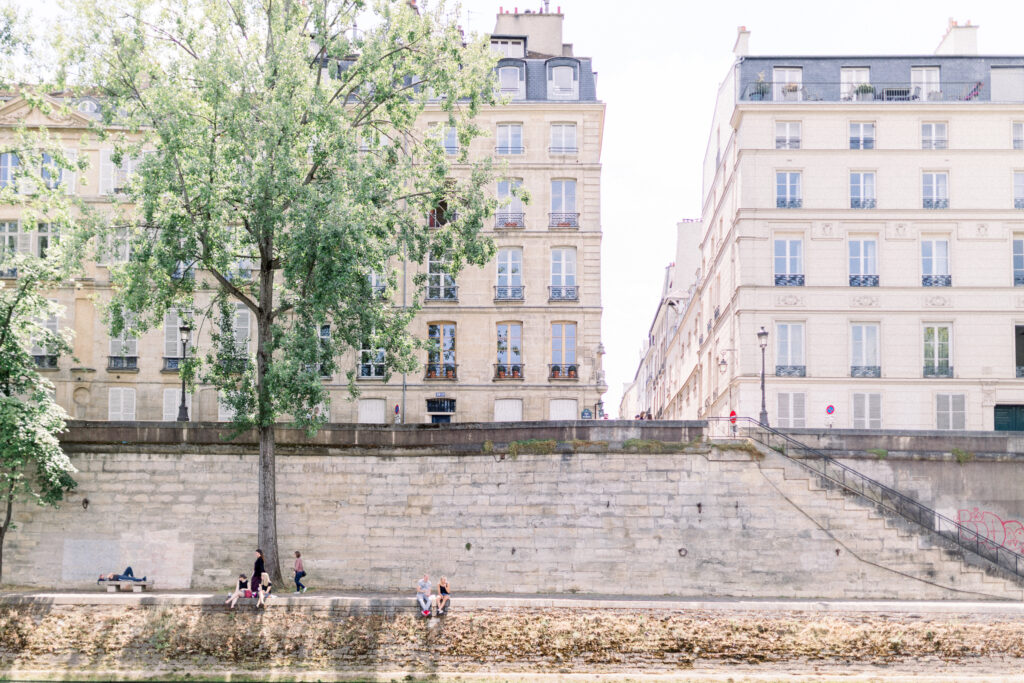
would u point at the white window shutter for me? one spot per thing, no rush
(171, 344)
(241, 330)
(798, 411)
(26, 240)
(958, 406)
(130, 346)
(106, 172)
(225, 413)
(859, 411)
(172, 399)
(783, 406)
(69, 177)
(128, 404)
(942, 411)
(874, 411)
(115, 348)
(114, 409)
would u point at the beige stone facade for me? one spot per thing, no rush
(867, 213)
(549, 141)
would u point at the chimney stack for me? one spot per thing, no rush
(742, 46)
(960, 39)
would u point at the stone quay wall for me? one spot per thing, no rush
(632, 508)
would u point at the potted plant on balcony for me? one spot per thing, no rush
(450, 372)
(865, 91)
(431, 372)
(790, 90)
(515, 371)
(572, 372)
(501, 372)
(761, 88)
(555, 371)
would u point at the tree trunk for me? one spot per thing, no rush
(4, 527)
(267, 505)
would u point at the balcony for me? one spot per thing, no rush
(45, 361)
(443, 293)
(507, 149)
(506, 221)
(509, 292)
(562, 371)
(122, 362)
(940, 370)
(1020, 371)
(936, 280)
(1018, 203)
(440, 217)
(863, 203)
(564, 293)
(562, 219)
(371, 371)
(439, 371)
(937, 203)
(563, 150)
(886, 92)
(865, 371)
(863, 280)
(792, 280)
(508, 371)
(934, 143)
(171, 364)
(787, 143)
(790, 203)
(862, 143)
(1018, 279)
(790, 370)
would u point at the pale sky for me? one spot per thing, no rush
(659, 63)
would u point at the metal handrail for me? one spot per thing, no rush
(881, 495)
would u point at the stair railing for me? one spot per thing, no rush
(873, 491)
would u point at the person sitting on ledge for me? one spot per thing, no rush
(423, 595)
(264, 591)
(444, 598)
(126, 575)
(240, 591)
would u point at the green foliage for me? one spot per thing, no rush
(580, 445)
(532, 447)
(962, 456)
(880, 453)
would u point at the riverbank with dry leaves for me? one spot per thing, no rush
(195, 642)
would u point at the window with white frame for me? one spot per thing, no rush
(862, 190)
(789, 349)
(124, 349)
(935, 190)
(950, 411)
(506, 47)
(850, 81)
(787, 135)
(935, 262)
(120, 404)
(508, 80)
(225, 412)
(326, 363)
(510, 212)
(441, 359)
(864, 360)
(563, 83)
(172, 402)
(563, 350)
(787, 190)
(787, 83)
(1018, 190)
(510, 274)
(1018, 135)
(863, 260)
(44, 356)
(862, 135)
(563, 138)
(448, 136)
(1018, 261)
(240, 329)
(372, 363)
(933, 136)
(440, 283)
(867, 411)
(563, 204)
(791, 410)
(50, 172)
(924, 83)
(789, 262)
(46, 237)
(937, 350)
(9, 163)
(172, 337)
(510, 350)
(563, 274)
(510, 139)
(8, 246)
(114, 178)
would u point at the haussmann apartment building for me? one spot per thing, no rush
(519, 339)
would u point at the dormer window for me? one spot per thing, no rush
(507, 47)
(563, 80)
(512, 80)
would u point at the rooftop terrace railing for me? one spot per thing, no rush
(770, 91)
(874, 492)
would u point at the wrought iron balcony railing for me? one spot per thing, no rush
(1018, 279)
(787, 143)
(792, 280)
(509, 149)
(171, 363)
(790, 203)
(562, 371)
(122, 362)
(937, 203)
(443, 293)
(934, 143)
(1018, 202)
(863, 203)
(45, 361)
(509, 220)
(863, 280)
(508, 370)
(790, 370)
(894, 92)
(563, 150)
(936, 280)
(564, 293)
(865, 371)
(564, 219)
(862, 143)
(941, 370)
(442, 371)
(509, 292)
(1020, 370)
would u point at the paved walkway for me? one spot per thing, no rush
(388, 602)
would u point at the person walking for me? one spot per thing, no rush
(258, 569)
(300, 572)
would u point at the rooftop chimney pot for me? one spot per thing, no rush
(741, 48)
(959, 39)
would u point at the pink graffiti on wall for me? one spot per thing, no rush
(989, 525)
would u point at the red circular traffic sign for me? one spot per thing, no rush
(732, 416)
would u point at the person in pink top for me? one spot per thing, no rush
(299, 573)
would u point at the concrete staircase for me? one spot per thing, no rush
(884, 540)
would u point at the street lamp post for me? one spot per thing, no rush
(186, 336)
(762, 340)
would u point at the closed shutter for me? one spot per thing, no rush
(510, 409)
(69, 177)
(958, 418)
(799, 421)
(121, 404)
(859, 411)
(241, 330)
(172, 343)
(874, 411)
(563, 409)
(373, 410)
(783, 411)
(1007, 85)
(106, 172)
(225, 413)
(26, 240)
(867, 411)
(942, 411)
(172, 399)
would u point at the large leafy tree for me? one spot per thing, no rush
(286, 170)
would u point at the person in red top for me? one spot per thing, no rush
(299, 573)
